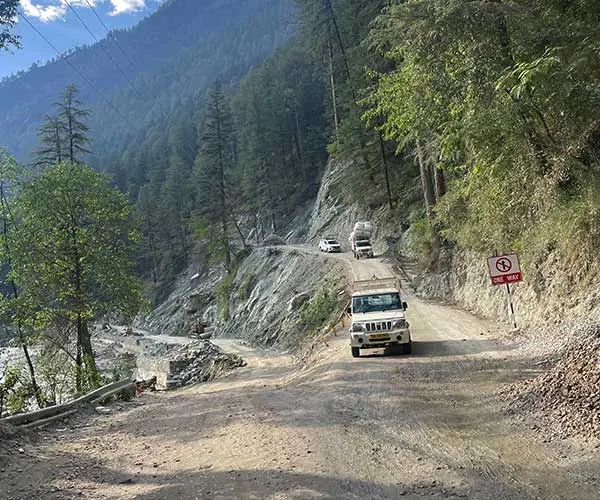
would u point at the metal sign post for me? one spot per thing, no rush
(512, 307)
(505, 269)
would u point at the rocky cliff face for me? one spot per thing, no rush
(332, 217)
(552, 292)
(191, 301)
(270, 289)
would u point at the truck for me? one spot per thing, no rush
(360, 240)
(377, 315)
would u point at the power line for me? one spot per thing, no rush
(85, 79)
(109, 33)
(135, 89)
(99, 44)
(66, 59)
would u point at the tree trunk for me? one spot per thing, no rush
(440, 183)
(83, 338)
(57, 138)
(300, 147)
(386, 171)
(429, 197)
(225, 243)
(239, 231)
(71, 145)
(332, 83)
(78, 368)
(5, 214)
(39, 397)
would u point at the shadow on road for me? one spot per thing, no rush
(439, 348)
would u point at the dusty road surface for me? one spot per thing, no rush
(421, 426)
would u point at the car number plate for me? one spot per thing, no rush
(379, 336)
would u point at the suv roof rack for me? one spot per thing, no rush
(389, 282)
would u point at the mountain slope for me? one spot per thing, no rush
(172, 56)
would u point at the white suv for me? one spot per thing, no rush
(329, 245)
(378, 319)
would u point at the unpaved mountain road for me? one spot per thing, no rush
(424, 425)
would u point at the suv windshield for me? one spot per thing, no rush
(376, 302)
(363, 244)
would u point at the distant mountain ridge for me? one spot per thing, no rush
(176, 52)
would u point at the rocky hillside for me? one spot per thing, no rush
(280, 294)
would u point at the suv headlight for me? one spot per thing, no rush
(401, 323)
(357, 327)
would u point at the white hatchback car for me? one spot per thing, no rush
(329, 245)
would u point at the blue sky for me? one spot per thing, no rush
(55, 20)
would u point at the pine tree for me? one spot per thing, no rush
(64, 134)
(51, 150)
(216, 162)
(71, 117)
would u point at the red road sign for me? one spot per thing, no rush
(504, 269)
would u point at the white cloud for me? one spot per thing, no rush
(50, 10)
(123, 6)
(44, 12)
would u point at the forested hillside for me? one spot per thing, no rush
(166, 62)
(475, 123)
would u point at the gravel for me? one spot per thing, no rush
(566, 396)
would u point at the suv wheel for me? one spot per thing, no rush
(355, 352)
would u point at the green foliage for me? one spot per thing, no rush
(10, 378)
(224, 291)
(16, 392)
(419, 242)
(124, 368)
(504, 100)
(56, 374)
(8, 20)
(71, 256)
(318, 309)
(246, 287)
(73, 244)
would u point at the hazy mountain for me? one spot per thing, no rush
(170, 58)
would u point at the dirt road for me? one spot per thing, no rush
(425, 425)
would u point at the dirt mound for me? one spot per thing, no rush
(567, 395)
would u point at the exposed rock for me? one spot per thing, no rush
(191, 300)
(333, 218)
(197, 361)
(274, 239)
(266, 317)
(567, 395)
(197, 301)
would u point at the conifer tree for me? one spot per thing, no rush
(216, 162)
(64, 135)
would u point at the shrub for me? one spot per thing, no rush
(318, 310)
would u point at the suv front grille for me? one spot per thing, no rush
(379, 326)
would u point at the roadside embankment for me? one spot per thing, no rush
(282, 295)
